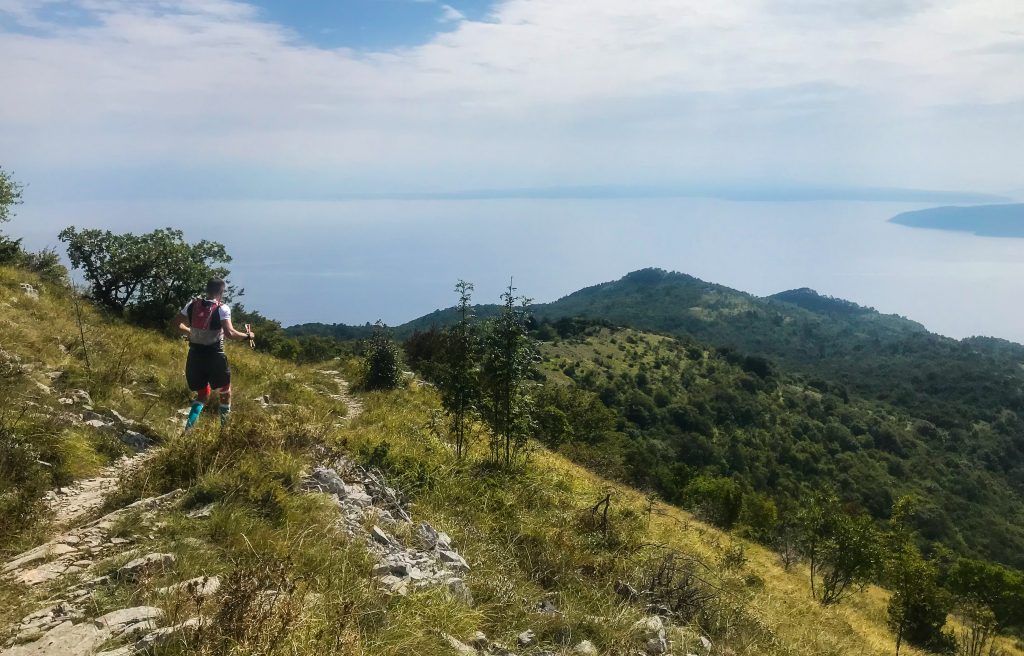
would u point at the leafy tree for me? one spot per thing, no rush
(715, 499)
(382, 362)
(759, 516)
(918, 606)
(843, 550)
(980, 628)
(10, 195)
(507, 365)
(991, 585)
(460, 389)
(151, 276)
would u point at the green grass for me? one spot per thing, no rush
(530, 535)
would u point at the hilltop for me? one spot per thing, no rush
(951, 383)
(277, 509)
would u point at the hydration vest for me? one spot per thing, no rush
(204, 315)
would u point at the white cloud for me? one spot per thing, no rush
(450, 14)
(904, 93)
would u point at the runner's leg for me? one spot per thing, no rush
(225, 403)
(202, 396)
(196, 377)
(220, 377)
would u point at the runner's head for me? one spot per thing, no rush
(215, 288)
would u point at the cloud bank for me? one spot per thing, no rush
(917, 93)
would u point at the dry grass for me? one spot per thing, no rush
(530, 535)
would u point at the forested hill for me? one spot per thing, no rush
(951, 383)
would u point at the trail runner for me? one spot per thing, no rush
(207, 321)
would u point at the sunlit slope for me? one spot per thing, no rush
(531, 536)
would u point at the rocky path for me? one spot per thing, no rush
(70, 504)
(59, 627)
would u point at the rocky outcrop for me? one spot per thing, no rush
(364, 497)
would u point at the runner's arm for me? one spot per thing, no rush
(231, 333)
(178, 324)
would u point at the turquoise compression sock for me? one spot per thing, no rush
(193, 416)
(224, 410)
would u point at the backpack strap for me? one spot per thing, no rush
(214, 312)
(192, 309)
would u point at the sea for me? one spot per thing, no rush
(357, 261)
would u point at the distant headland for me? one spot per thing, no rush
(1005, 220)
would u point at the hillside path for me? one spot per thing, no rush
(61, 628)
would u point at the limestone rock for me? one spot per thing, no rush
(29, 291)
(40, 553)
(526, 638)
(136, 440)
(380, 536)
(458, 589)
(458, 647)
(454, 560)
(202, 587)
(131, 621)
(148, 564)
(479, 640)
(585, 648)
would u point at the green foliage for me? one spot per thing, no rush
(979, 630)
(10, 195)
(918, 606)
(507, 364)
(687, 409)
(151, 276)
(47, 265)
(991, 585)
(717, 500)
(843, 550)
(382, 362)
(460, 381)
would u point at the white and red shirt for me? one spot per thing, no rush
(206, 322)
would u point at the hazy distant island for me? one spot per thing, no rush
(983, 220)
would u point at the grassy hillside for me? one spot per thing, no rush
(529, 536)
(688, 410)
(952, 383)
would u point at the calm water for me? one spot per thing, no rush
(358, 261)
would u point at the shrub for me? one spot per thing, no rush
(382, 363)
(843, 550)
(714, 499)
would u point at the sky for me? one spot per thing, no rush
(115, 98)
(288, 128)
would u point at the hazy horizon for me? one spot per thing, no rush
(357, 157)
(358, 261)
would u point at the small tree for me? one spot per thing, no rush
(979, 632)
(918, 607)
(460, 384)
(507, 365)
(151, 276)
(843, 550)
(715, 499)
(10, 195)
(383, 369)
